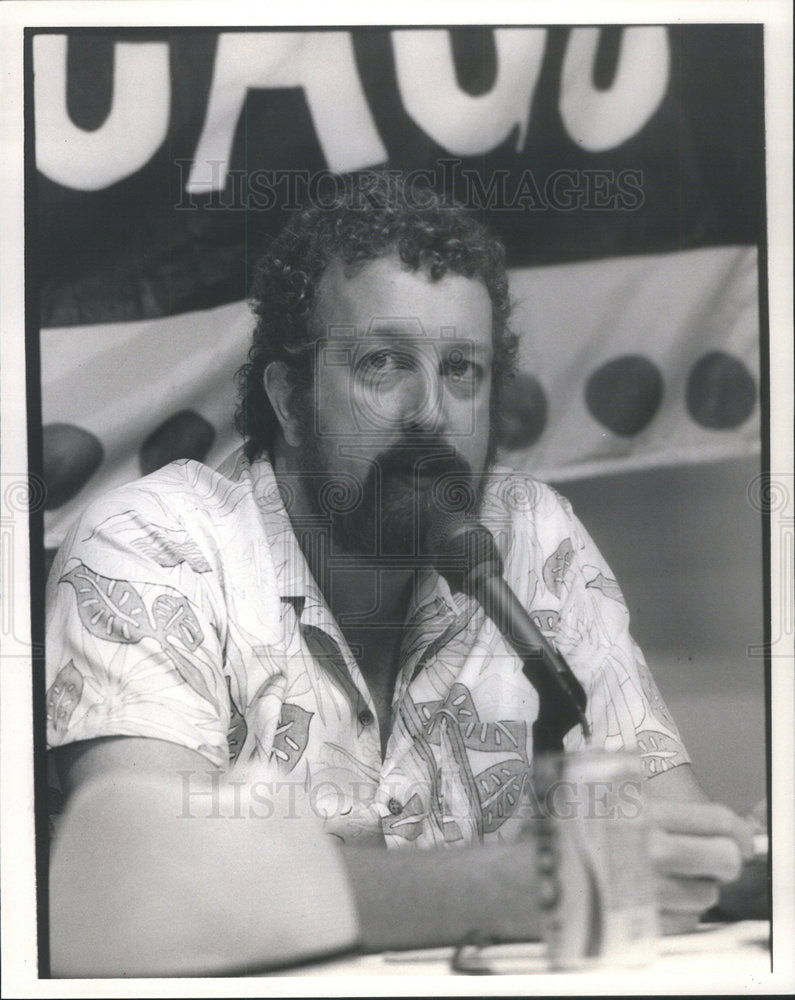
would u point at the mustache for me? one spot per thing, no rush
(432, 456)
(447, 487)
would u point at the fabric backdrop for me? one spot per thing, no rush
(621, 167)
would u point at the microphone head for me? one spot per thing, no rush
(462, 549)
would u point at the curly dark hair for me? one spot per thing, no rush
(364, 222)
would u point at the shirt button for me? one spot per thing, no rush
(366, 717)
(395, 807)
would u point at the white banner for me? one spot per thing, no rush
(622, 361)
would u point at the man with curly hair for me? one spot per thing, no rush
(271, 641)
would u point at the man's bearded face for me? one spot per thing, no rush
(404, 488)
(396, 425)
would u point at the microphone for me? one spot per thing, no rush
(465, 554)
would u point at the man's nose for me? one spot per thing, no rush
(422, 406)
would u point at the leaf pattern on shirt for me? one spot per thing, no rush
(546, 620)
(175, 619)
(651, 698)
(500, 790)
(328, 654)
(170, 548)
(506, 736)
(452, 832)
(201, 485)
(115, 610)
(658, 751)
(291, 736)
(166, 546)
(63, 697)
(109, 609)
(608, 586)
(238, 730)
(556, 566)
(458, 705)
(459, 800)
(408, 823)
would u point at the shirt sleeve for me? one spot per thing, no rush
(135, 631)
(625, 708)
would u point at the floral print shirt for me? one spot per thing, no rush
(181, 607)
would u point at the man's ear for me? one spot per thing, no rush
(279, 391)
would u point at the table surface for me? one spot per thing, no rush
(714, 957)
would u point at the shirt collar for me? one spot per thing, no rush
(294, 578)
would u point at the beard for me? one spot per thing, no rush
(387, 512)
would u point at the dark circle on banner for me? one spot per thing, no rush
(721, 392)
(624, 394)
(523, 415)
(184, 435)
(71, 456)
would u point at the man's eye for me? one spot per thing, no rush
(383, 362)
(462, 370)
(377, 362)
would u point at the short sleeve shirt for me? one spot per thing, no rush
(181, 607)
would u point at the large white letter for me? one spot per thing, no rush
(601, 119)
(320, 62)
(464, 124)
(130, 135)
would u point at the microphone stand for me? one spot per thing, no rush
(467, 556)
(561, 697)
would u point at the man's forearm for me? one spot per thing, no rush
(416, 898)
(140, 887)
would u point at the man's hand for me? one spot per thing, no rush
(695, 846)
